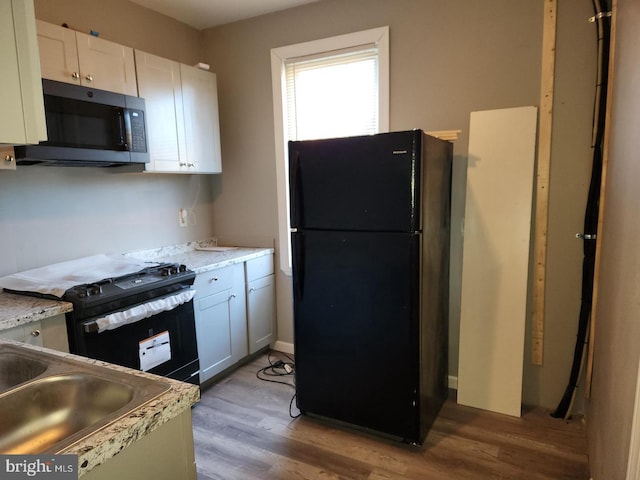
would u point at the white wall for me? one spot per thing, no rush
(51, 214)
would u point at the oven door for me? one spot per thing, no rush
(164, 343)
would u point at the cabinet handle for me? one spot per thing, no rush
(191, 164)
(252, 290)
(233, 295)
(213, 279)
(183, 164)
(35, 333)
(75, 75)
(89, 78)
(9, 159)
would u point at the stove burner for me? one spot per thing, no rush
(165, 276)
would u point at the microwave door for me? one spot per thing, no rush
(88, 126)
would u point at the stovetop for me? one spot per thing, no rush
(114, 293)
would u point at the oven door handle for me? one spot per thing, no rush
(137, 313)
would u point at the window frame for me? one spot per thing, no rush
(279, 56)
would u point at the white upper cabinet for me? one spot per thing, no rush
(75, 57)
(22, 119)
(200, 97)
(182, 116)
(160, 85)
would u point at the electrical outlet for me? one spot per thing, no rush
(182, 217)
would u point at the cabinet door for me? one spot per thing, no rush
(221, 320)
(22, 119)
(261, 312)
(58, 53)
(30, 334)
(200, 97)
(159, 84)
(54, 333)
(106, 65)
(213, 331)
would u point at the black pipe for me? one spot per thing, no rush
(603, 22)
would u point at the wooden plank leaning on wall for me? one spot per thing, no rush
(542, 177)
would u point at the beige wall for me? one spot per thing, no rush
(617, 348)
(447, 59)
(127, 23)
(571, 154)
(51, 214)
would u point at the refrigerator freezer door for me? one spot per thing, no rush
(356, 304)
(368, 183)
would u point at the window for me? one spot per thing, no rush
(333, 87)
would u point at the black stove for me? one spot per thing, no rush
(126, 344)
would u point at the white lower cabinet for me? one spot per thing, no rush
(30, 333)
(49, 332)
(261, 307)
(235, 313)
(220, 314)
(7, 158)
(166, 453)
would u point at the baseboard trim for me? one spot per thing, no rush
(285, 347)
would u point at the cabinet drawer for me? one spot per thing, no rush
(30, 333)
(214, 281)
(259, 267)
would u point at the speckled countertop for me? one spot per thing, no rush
(99, 447)
(16, 310)
(201, 260)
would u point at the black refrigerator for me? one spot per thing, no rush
(370, 222)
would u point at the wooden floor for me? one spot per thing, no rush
(243, 431)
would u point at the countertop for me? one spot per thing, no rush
(16, 310)
(109, 441)
(201, 260)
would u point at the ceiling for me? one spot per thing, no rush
(202, 14)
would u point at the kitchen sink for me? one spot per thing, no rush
(16, 369)
(50, 402)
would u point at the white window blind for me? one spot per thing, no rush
(325, 88)
(333, 94)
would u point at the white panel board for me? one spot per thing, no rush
(495, 266)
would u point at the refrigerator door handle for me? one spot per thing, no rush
(297, 246)
(295, 196)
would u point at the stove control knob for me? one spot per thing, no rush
(95, 290)
(183, 268)
(165, 272)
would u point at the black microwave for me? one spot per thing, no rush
(88, 127)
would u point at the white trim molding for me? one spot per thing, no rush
(379, 37)
(285, 347)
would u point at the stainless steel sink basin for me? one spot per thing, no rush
(64, 403)
(16, 369)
